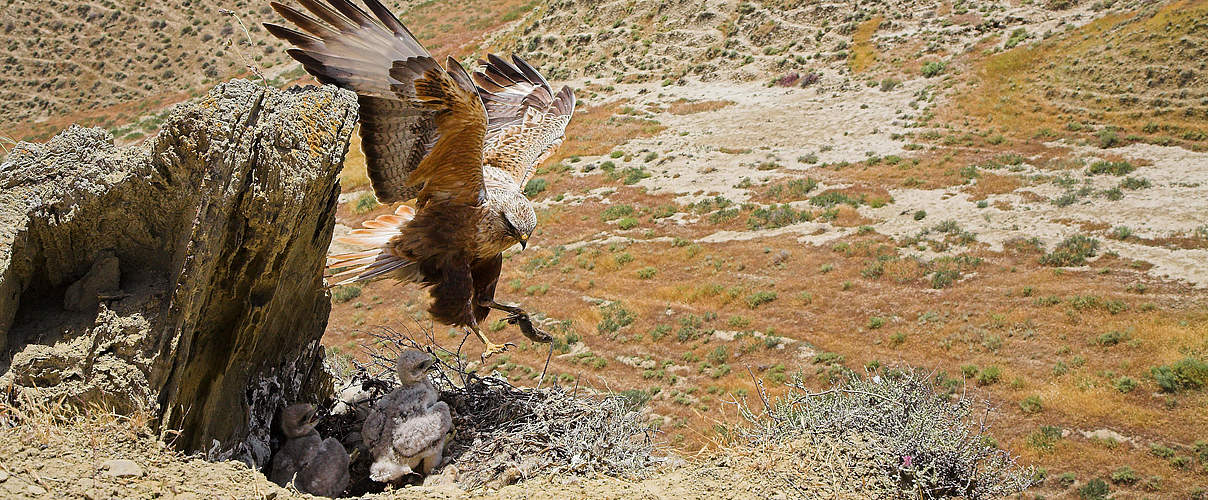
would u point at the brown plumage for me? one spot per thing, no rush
(462, 146)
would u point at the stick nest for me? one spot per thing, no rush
(504, 433)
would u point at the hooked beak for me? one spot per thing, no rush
(523, 238)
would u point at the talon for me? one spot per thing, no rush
(492, 349)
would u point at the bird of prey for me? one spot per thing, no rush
(316, 466)
(407, 429)
(463, 146)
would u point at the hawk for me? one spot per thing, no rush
(462, 146)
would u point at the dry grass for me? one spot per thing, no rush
(354, 176)
(687, 107)
(990, 183)
(1133, 87)
(863, 50)
(984, 319)
(596, 130)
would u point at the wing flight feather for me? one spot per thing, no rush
(373, 54)
(526, 120)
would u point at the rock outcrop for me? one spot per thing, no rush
(181, 276)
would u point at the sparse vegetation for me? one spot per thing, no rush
(1185, 374)
(937, 447)
(1072, 251)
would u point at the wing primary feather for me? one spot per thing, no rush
(459, 74)
(505, 68)
(329, 15)
(295, 37)
(354, 13)
(307, 23)
(388, 18)
(529, 72)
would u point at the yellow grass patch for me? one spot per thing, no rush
(1071, 84)
(863, 50)
(355, 175)
(595, 130)
(687, 107)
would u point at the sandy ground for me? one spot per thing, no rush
(710, 153)
(1176, 204)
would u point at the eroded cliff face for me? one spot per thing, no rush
(182, 276)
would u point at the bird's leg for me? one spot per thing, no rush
(520, 318)
(491, 348)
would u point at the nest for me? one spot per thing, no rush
(504, 433)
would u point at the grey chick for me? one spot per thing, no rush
(316, 466)
(407, 429)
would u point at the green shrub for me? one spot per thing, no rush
(1135, 183)
(1072, 251)
(933, 68)
(875, 322)
(659, 332)
(1186, 374)
(1095, 489)
(366, 203)
(647, 272)
(627, 223)
(1017, 37)
(614, 317)
(897, 339)
(1111, 338)
(989, 375)
(1045, 437)
(1125, 475)
(535, 187)
(616, 212)
(1161, 451)
(1031, 405)
(1111, 167)
(1108, 137)
(346, 293)
(760, 298)
(632, 175)
(635, 399)
(1125, 384)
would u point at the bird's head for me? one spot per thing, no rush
(413, 365)
(519, 220)
(298, 420)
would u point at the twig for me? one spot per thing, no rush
(4, 139)
(546, 368)
(759, 388)
(247, 62)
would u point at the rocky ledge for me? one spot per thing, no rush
(182, 276)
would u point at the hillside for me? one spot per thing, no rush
(1009, 195)
(875, 217)
(118, 64)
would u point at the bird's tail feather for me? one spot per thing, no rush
(376, 262)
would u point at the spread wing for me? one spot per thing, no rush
(409, 105)
(525, 118)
